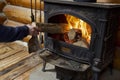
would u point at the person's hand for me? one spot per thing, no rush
(33, 30)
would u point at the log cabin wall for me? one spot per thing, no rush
(2, 15)
(18, 12)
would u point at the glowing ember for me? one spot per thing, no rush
(76, 23)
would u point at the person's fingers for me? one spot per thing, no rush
(36, 29)
(33, 30)
(33, 24)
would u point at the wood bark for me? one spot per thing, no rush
(2, 18)
(27, 3)
(53, 27)
(2, 4)
(21, 14)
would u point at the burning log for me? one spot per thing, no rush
(81, 43)
(74, 36)
(53, 27)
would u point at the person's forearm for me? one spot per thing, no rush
(8, 34)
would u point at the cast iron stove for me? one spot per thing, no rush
(101, 20)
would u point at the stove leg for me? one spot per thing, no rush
(44, 65)
(111, 68)
(96, 72)
(95, 76)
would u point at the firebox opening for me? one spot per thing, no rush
(77, 31)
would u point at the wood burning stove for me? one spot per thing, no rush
(94, 23)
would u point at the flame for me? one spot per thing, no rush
(76, 23)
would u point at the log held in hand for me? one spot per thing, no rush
(53, 27)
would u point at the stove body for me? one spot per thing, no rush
(103, 19)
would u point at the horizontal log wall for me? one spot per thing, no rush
(2, 16)
(21, 14)
(27, 3)
(2, 4)
(12, 23)
(19, 11)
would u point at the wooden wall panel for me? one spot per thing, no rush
(26, 3)
(21, 14)
(2, 4)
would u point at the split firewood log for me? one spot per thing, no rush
(81, 43)
(75, 37)
(53, 27)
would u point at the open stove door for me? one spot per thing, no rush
(54, 59)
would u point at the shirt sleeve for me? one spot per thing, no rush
(9, 34)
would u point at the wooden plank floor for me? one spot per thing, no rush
(15, 61)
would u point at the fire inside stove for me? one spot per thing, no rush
(77, 32)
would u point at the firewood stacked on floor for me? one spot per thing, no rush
(15, 61)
